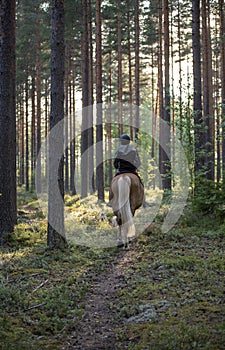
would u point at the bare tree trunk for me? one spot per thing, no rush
(56, 236)
(137, 67)
(27, 133)
(7, 119)
(33, 132)
(222, 53)
(21, 137)
(130, 74)
(180, 74)
(85, 101)
(73, 129)
(198, 122)
(67, 58)
(91, 180)
(154, 111)
(46, 124)
(109, 121)
(120, 82)
(38, 90)
(166, 161)
(208, 102)
(218, 142)
(160, 91)
(99, 128)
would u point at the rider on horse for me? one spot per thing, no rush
(126, 192)
(126, 158)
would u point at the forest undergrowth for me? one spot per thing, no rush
(172, 295)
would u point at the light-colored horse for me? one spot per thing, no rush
(126, 195)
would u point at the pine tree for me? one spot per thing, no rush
(7, 118)
(198, 121)
(56, 237)
(99, 127)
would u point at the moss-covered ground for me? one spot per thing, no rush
(175, 292)
(172, 296)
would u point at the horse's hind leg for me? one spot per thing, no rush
(124, 237)
(119, 237)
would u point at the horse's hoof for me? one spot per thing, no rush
(119, 243)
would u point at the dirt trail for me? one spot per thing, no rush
(95, 331)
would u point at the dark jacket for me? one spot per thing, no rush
(126, 159)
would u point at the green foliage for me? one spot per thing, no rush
(209, 198)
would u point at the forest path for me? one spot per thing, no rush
(95, 330)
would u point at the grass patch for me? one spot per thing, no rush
(181, 277)
(42, 290)
(172, 298)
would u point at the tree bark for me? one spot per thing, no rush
(56, 236)
(33, 132)
(38, 91)
(208, 102)
(137, 68)
(27, 134)
(166, 162)
(91, 180)
(222, 54)
(99, 127)
(85, 101)
(120, 83)
(198, 122)
(7, 119)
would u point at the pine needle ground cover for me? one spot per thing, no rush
(172, 296)
(175, 292)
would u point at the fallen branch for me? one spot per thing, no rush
(40, 286)
(28, 309)
(34, 307)
(24, 277)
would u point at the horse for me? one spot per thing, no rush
(126, 196)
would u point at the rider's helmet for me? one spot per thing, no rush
(124, 138)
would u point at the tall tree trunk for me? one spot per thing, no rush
(154, 111)
(222, 53)
(46, 124)
(137, 68)
(160, 92)
(67, 58)
(27, 133)
(180, 73)
(7, 118)
(109, 121)
(208, 102)
(99, 127)
(56, 236)
(166, 151)
(73, 135)
(21, 137)
(38, 91)
(13, 112)
(85, 101)
(217, 106)
(120, 82)
(33, 132)
(198, 122)
(91, 179)
(130, 73)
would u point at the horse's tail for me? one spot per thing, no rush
(125, 214)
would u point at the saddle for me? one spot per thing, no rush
(130, 172)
